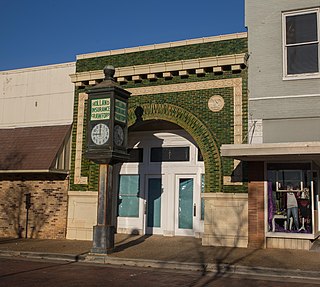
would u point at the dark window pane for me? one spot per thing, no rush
(156, 154)
(159, 154)
(136, 155)
(303, 59)
(200, 157)
(301, 28)
(178, 154)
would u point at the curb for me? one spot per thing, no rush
(105, 259)
(221, 269)
(44, 255)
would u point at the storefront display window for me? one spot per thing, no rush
(291, 196)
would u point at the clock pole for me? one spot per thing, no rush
(103, 232)
(107, 135)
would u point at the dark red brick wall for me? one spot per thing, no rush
(256, 205)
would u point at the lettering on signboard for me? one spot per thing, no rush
(100, 109)
(120, 111)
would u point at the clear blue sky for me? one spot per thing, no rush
(42, 32)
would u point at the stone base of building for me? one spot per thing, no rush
(226, 220)
(82, 214)
(228, 241)
(289, 243)
(80, 233)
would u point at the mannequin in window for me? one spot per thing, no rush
(304, 206)
(292, 209)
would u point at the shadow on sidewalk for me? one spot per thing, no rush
(127, 243)
(9, 240)
(226, 257)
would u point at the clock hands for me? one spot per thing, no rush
(100, 134)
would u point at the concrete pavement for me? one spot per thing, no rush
(184, 253)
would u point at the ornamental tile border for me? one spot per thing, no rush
(78, 179)
(236, 83)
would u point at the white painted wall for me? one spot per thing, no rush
(37, 96)
(271, 97)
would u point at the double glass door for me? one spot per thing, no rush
(171, 205)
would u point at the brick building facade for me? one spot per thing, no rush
(187, 99)
(47, 216)
(192, 95)
(35, 129)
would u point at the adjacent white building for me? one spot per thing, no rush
(283, 142)
(37, 96)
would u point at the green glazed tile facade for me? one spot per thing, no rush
(218, 48)
(188, 108)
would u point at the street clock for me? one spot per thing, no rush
(107, 130)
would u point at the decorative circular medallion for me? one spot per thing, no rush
(216, 103)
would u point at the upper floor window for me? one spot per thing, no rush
(301, 43)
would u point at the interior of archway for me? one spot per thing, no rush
(160, 188)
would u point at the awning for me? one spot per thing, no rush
(32, 149)
(268, 151)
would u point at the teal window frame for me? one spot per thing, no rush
(129, 191)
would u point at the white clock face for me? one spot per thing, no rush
(118, 135)
(100, 134)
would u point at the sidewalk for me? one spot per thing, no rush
(184, 253)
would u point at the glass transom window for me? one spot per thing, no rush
(168, 154)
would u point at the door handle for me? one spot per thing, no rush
(194, 209)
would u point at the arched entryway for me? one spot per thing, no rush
(160, 188)
(205, 138)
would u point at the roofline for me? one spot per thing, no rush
(163, 45)
(34, 171)
(35, 125)
(38, 68)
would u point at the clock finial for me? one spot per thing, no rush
(109, 71)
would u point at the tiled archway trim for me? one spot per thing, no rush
(200, 133)
(235, 83)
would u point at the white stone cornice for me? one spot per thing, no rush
(235, 60)
(164, 45)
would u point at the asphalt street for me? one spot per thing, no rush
(17, 272)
